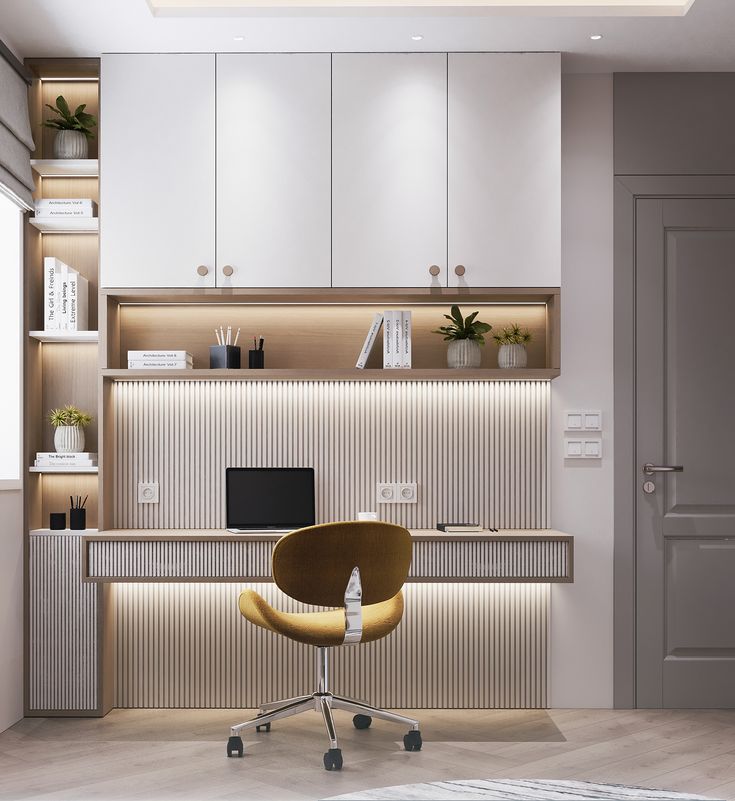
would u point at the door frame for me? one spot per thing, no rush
(628, 190)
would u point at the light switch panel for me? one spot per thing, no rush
(573, 448)
(583, 420)
(593, 449)
(592, 421)
(574, 421)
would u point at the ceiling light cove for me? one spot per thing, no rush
(577, 8)
(596, 37)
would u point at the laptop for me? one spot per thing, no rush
(271, 500)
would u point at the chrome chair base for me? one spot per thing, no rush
(322, 700)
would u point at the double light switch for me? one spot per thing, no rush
(583, 446)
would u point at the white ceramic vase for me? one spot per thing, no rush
(512, 356)
(70, 145)
(463, 354)
(69, 439)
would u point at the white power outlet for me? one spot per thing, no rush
(148, 492)
(395, 493)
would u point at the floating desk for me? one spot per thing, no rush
(213, 555)
(149, 618)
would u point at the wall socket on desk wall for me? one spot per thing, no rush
(396, 493)
(148, 492)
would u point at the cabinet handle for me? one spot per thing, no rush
(228, 269)
(203, 270)
(459, 269)
(434, 269)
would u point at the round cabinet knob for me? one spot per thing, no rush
(203, 270)
(434, 269)
(459, 269)
(228, 269)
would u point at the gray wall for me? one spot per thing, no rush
(582, 492)
(675, 123)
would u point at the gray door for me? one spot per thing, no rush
(685, 416)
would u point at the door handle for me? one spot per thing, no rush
(649, 469)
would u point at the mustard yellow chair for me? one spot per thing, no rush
(356, 567)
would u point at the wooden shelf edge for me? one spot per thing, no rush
(65, 336)
(67, 168)
(332, 375)
(67, 470)
(336, 295)
(69, 225)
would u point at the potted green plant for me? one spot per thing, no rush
(465, 336)
(69, 423)
(512, 341)
(73, 131)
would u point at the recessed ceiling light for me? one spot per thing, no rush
(596, 37)
(417, 37)
(239, 38)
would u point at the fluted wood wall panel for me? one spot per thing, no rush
(478, 450)
(62, 626)
(459, 645)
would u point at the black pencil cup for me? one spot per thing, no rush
(77, 519)
(224, 356)
(57, 521)
(256, 359)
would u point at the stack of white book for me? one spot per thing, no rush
(396, 339)
(70, 460)
(55, 207)
(160, 360)
(65, 297)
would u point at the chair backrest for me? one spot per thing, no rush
(313, 564)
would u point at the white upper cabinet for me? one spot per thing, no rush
(273, 170)
(505, 169)
(389, 161)
(157, 170)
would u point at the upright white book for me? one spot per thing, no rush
(54, 274)
(405, 354)
(372, 335)
(77, 310)
(161, 355)
(389, 339)
(398, 339)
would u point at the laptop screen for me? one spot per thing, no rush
(270, 497)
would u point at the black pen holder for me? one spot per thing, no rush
(77, 519)
(224, 356)
(256, 359)
(57, 521)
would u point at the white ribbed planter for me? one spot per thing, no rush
(70, 145)
(512, 356)
(69, 439)
(463, 354)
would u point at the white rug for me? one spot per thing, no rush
(516, 790)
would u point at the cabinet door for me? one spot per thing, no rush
(505, 169)
(389, 161)
(157, 171)
(273, 170)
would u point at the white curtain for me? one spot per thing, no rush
(16, 141)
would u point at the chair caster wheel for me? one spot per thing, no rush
(333, 759)
(412, 740)
(362, 721)
(235, 747)
(264, 726)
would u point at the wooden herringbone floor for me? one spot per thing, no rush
(180, 754)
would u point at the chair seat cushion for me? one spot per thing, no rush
(321, 628)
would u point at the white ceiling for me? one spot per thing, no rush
(702, 40)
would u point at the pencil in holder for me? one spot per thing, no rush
(77, 519)
(224, 356)
(256, 359)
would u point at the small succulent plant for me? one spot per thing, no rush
(513, 334)
(69, 416)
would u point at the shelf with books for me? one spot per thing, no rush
(345, 374)
(91, 337)
(65, 225)
(63, 469)
(66, 168)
